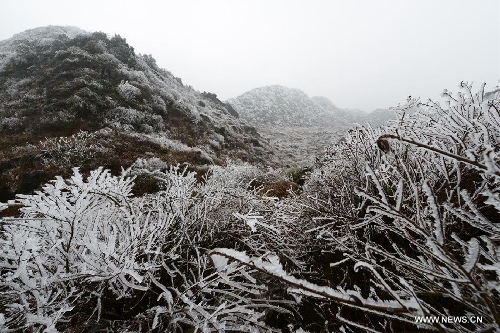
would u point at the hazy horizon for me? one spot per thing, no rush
(359, 54)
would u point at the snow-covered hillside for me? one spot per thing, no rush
(300, 126)
(281, 106)
(63, 87)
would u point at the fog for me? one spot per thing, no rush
(360, 54)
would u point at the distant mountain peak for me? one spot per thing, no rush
(299, 125)
(280, 105)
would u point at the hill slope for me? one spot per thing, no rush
(72, 98)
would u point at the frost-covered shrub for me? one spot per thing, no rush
(134, 120)
(67, 150)
(69, 234)
(17, 88)
(128, 92)
(159, 105)
(164, 141)
(409, 214)
(83, 246)
(214, 144)
(218, 137)
(149, 164)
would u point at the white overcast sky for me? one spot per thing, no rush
(361, 54)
